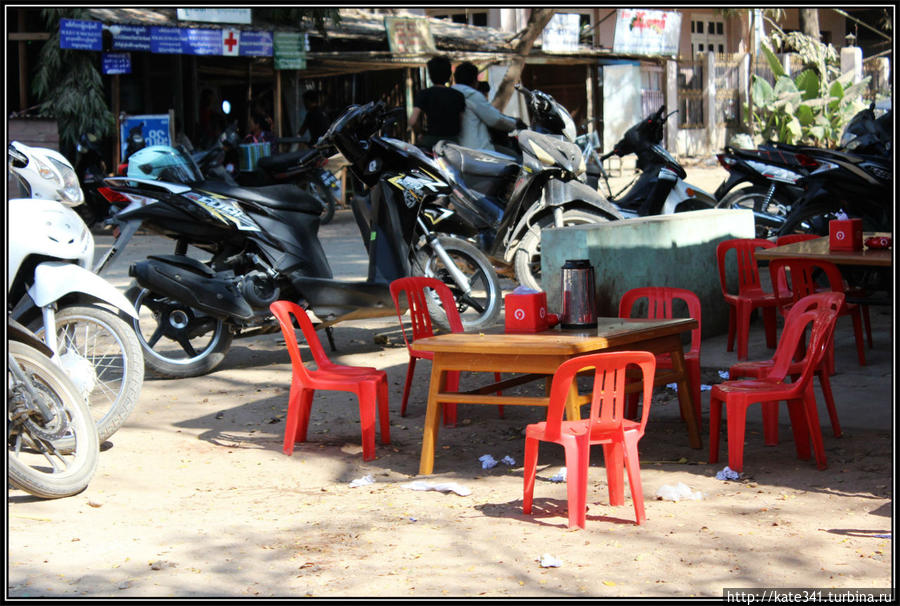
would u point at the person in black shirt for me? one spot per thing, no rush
(442, 106)
(316, 121)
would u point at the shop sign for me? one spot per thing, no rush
(116, 63)
(647, 32)
(562, 32)
(130, 37)
(155, 129)
(215, 15)
(199, 41)
(256, 44)
(409, 35)
(165, 40)
(80, 35)
(289, 50)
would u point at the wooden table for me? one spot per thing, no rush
(818, 249)
(538, 355)
(866, 268)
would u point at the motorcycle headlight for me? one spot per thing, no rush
(71, 190)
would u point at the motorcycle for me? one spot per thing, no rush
(305, 169)
(660, 189)
(771, 179)
(844, 185)
(51, 290)
(504, 202)
(52, 446)
(263, 248)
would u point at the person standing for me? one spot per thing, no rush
(480, 115)
(316, 120)
(257, 131)
(441, 105)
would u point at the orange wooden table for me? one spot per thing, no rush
(537, 356)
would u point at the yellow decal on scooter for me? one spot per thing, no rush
(224, 209)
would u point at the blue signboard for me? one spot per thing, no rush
(130, 37)
(116, 63)
(155, 130)
(256, 44)
(197, 41)
(80, 35)
(165, 40)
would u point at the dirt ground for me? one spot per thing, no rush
(194, 498)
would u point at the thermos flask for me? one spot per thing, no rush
(578, 309)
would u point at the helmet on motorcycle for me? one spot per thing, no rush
(164, 163)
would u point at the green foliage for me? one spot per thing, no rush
(811, 108)
(69, 85)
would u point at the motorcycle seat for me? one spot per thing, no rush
(277, 197)
(476, 162)
(277, 163)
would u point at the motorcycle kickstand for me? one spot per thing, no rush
(329, 332)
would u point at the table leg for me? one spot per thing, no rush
(432, 417)
(685, 398)
(573, 410)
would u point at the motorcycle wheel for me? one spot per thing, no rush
(324, 195)
(527, 259)
(178, 341)
(753, 198)
(481, 308)
(100, 351)
(36, 463)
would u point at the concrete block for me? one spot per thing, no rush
(667, 250)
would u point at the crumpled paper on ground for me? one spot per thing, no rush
(727, 474)
(549, 561)
(488, 461)
(679, 492)
(363, 481)
(560, 476)
(440, 487)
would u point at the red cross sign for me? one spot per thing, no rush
(230, 42)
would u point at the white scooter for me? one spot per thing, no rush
(52, 291)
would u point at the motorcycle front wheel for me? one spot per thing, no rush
(478, 309)
(768, 217)
(102, 356)
(35, 429)
(178, 341)
(527, 259)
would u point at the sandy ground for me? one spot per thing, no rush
(193, 497)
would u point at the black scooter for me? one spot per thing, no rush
(262, 249)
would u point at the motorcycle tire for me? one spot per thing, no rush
(168, 332)
(108, 343)
(36, 463)
(527, 259)
(481, 308)
(753, 198)
(324, 195)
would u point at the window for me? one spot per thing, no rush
(707, 34)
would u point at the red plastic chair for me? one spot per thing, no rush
(369, 384)
(659, 306)
(801, 278)
(606, 425)
(800, 396)
(750, 295)
(761, 368)
(413, 288)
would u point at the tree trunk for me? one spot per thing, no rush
(809, 22)
(538, 19)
